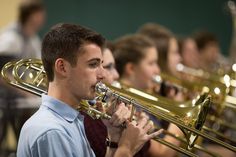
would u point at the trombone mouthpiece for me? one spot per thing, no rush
(104, 93)
(101, 88)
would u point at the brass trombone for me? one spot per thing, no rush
(216, 90)
(188, 122)
(188, 87)
(37, 85)
(173, 115)
(220, 85)
(188, 104)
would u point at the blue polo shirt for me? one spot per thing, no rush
(55, 130)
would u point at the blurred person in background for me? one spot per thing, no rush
(136, 57)
(19, 40)
(189, 52)
(166, 44)
(210, 57)
(211, 60)
(168, 56)
(203, 46)
(109, 64)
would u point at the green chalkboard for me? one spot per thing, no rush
(114, 18)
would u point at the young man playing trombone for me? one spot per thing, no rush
(72, 58)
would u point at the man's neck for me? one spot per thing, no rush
(60, 93)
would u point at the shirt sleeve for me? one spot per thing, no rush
(54, 143)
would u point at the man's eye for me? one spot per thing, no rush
(93, 65)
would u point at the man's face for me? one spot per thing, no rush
(86, 73)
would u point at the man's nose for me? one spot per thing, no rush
(101, 73)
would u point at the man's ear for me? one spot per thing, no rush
(129, 69)
(61, 67)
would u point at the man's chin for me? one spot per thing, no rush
(91, 96)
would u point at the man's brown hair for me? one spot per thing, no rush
(66, 41)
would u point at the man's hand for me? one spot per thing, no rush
(120, 113)
(136, 133)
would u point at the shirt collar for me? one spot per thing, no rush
(61, 108)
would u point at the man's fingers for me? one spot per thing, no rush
(118, 121)
(127, 115)
(140, 115)
(134, 123)
(142, 122)
(118, 117)
(114, 117)
(100, 106)
(122, 117)
(149, 126)
(153, 135)
(114, 107)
